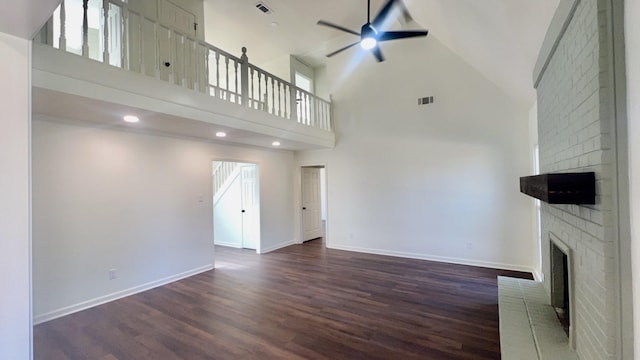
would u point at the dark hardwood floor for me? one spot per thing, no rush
(301, 302)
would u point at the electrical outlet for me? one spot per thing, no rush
(112, 274)
(469, 245)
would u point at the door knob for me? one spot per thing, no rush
(304, 208)
(242, 210)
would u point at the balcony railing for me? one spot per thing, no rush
(110, 32)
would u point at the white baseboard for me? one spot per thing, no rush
(228, 244)
(277, 246)
(38, 319)
(484, 264)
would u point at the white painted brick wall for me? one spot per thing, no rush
(574, 135)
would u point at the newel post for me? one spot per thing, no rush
(105, 10)
(85, 29)
(295, 101)
(63, 27)
(244, 77)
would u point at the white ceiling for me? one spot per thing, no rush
(25, 17)
(500, 38)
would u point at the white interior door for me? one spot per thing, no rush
(250, 208)
(177, 18)
(115, 35)
(174, 49)
(311, 204)
(227, 215)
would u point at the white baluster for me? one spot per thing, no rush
(305, 98)
(124, 49)
(236, 99)
(324, 115)
(260, 104)
(327, 116)
(206, 71)
(183, 42)
(279, 99)
(303, 107)
(105, 10)
(316, 104)
(244, 77)
(63, 27)
(85, 29)
(226, 82)
(141, 47)
(293, 104)
(197, 80)
(218, 74)
(253, 101)
(273, 99)
(287, 95)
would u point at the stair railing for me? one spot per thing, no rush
(221, 174)
(137, 43)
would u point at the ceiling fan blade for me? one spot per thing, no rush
(377, 53)
(405, 12)
(382, 15)
(343, 49)
(394, 35)
(337, 27)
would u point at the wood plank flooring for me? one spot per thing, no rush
(300, 302)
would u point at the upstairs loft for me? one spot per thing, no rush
(98, 60)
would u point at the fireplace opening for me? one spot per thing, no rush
(560, 291)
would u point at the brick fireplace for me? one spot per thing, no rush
(576, 133)
(561, 285)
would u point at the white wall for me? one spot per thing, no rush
(280, 66)
(535, 216)
(140, 203)
(15, 277)
(632, 38)
(437, 181)
(322, 85)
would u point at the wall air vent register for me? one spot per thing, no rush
(262, 7)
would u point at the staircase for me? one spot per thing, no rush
(223, 174)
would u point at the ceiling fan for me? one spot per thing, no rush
(371, 34)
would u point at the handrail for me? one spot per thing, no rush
(150, 48)
(221, 175)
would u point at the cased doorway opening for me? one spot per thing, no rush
(236, 205)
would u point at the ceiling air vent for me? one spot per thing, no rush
(425, 100)
(262, 7)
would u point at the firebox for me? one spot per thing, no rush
(562, 285)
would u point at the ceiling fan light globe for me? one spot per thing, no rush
(368, 43)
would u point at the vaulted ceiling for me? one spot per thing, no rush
(500, 38)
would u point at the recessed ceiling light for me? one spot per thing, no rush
(131, 119)
(221, 134)
(276, 143)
